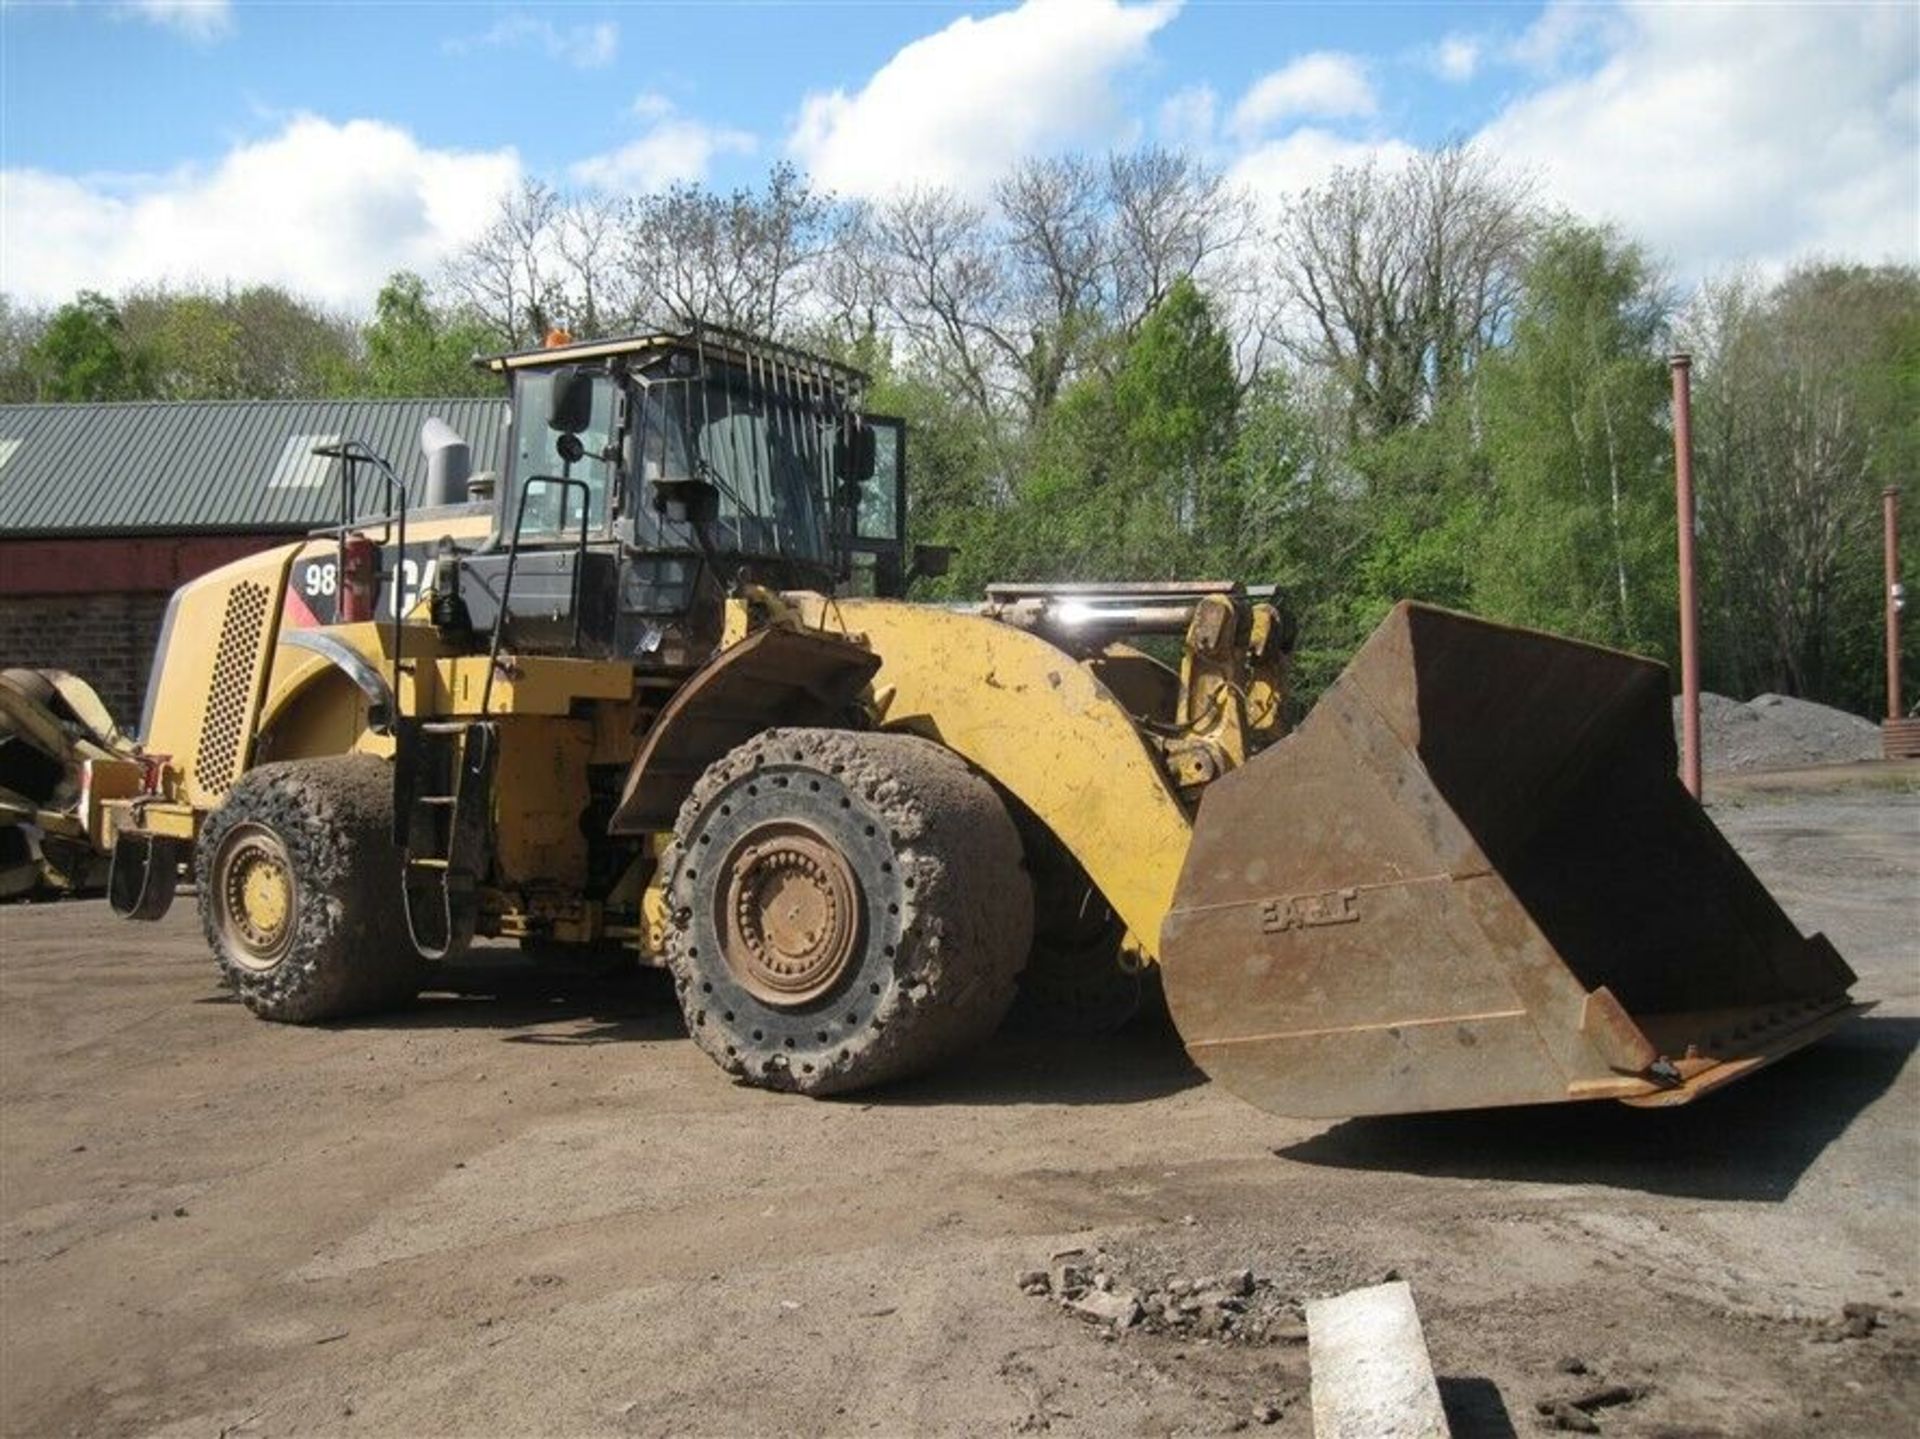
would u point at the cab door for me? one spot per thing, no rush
(877, 545)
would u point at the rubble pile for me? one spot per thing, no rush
(1857, 1320)
(1575, 1413)
(1237, 1306)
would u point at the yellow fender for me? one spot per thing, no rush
(1038, 723)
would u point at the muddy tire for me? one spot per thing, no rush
(299, 891)
(843, 909)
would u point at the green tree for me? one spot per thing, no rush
(1579, 538)
(84, 354)
(1806, 400)
(191, 343)
(1294, 524)
(1421, 501)
(414, 348)
(20, 329)
(1127, 474)
(956, 495)
(1177, 400)
(260, 343)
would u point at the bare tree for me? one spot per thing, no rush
(1006, 301)
(945, 289)
(849, 278)
(21, 327)
(1171, 217)
(510, 276)
(1012, 301)
(1052, 234)
(1474, 224)
(599, 292)
(1398, 280)
(745, 259)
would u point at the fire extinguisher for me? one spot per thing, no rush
(359, 578)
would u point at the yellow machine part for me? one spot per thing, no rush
(1042, 727)
(540, 787)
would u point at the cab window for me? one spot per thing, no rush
(555, 509)
(879, 517)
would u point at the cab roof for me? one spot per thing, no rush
(701, 341)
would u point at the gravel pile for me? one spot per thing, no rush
(1778, 732)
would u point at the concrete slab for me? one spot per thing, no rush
(1372, 1378)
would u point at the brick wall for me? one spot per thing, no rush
(106, 639)
(94, 605)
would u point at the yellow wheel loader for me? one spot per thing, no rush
(656, 688)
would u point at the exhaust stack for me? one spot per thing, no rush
(449, 461)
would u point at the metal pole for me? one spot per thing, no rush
(1682, 366)
(1890, 512)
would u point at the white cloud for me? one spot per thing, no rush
(585, 47)
(1187, 118)
(1725, 135)
(327, 210)
(674, 148)
(197, 19)
(1324, 85)
(1273, 171)
(1456, 59)
(650, 105)
(1566, 31)
(955, 107)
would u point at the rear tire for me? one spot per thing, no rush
(299, 891)
(844, 909)
(1074, 982)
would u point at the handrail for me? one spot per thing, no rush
(352, 454)
(566, 482)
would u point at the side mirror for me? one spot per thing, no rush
(854, 454)
(570, 405)
(930, 562)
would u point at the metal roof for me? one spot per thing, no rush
(718, 341)
(210, 467)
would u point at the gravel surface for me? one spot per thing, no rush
(530, 1205)
(1778, 732)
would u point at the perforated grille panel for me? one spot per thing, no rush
(221, 731)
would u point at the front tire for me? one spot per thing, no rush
(299, 891)
(844, 909)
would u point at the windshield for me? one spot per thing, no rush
(767, 459)
(555, 509)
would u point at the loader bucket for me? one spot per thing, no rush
(1472, 878)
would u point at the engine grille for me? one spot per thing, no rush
(216, 763)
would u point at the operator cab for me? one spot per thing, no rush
(649, 476)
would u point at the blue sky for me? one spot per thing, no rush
(320, 145)
(542, 78)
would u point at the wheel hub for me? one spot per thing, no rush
(790, 914)
(254, 881)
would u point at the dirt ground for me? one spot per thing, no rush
(533, 1206)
